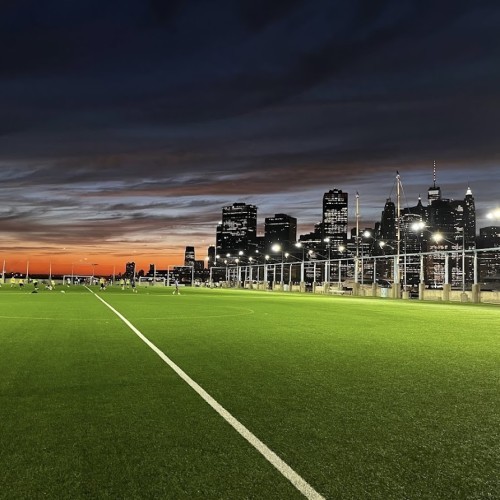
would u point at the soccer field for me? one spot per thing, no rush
(360, 398)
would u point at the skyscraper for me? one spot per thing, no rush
(388, 221)
(434, 192)
(469, 220)
(211, 255)
(189, 257)
(334, 223)
(280, 229)
(238, 229)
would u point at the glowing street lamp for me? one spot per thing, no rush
(278, 248)
(341, 249)
(302, 265)
(494, 214)
(418, 226)
(366, 234)
(250, 277)
(327, 264)
(266, 258)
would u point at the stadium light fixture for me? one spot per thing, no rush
(494, 214)
(276, 247)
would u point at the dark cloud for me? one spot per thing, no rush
(123, 118)
(259, 14)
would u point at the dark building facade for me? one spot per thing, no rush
(129, 270)
(387, 228)
(238, 229)
(280, 229)
(211, 256)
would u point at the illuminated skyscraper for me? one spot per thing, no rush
(434, 192)
(334, 224)
(469, 220)
(238, 229)
(189, 257)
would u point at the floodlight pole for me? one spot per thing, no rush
(463, 259)
(397, 278)
(421, 285)
(356, 262)
(282, 272)
(302, 264)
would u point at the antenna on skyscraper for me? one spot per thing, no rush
(434, 173)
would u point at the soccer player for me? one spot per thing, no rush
(176, 289)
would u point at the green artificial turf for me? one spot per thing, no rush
(363, 398)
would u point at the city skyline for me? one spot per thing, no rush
(490, 219)
(126, 128)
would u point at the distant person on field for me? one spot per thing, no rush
(176, 288)
(132, 283)
(12, 281)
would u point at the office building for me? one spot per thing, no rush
(238, 229)
(280, 229)
(334, 223)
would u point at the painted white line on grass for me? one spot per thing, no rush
(301, 484)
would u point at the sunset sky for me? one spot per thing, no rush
(127, 125)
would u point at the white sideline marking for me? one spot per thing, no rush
(301, 484)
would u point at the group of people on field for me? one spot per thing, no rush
(21, 282)
(125, 283)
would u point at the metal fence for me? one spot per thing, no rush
(406, 276)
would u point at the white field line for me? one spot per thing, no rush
(301, 484)
(55, 318)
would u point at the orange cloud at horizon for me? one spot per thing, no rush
(105, 264)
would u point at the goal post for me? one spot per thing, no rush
(77, 279)
(145, 281)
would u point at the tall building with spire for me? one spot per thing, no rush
(469, 220)
(434, 192)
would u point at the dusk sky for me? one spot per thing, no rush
(127, 125)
